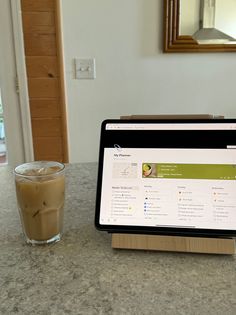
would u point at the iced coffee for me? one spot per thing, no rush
(40, 190)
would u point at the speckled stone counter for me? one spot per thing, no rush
(82, 274)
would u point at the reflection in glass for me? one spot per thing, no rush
(209, 21)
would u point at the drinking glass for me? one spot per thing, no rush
(40, 191)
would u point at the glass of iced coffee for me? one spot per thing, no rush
(40, 190)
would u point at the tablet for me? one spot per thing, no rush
(167, 177)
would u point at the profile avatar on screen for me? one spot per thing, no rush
(149, 170)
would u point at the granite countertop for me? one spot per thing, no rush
(82, 274)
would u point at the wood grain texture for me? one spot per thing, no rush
(40, 44)
(42, 67)
(47, 146)
(174, 243)
(44, 108)
(57, 158)
(43, 88)
(46, 127)
(38, 22)
(37, 5)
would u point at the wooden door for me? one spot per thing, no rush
(43, 53)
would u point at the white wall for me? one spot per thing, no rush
(133, 75)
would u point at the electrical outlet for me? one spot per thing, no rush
(85, 69)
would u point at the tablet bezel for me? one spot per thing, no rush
(148, 229)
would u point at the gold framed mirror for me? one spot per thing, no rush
(199, 26)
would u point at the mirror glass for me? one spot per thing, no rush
(208, 21)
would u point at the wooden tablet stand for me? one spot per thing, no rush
(174, 243)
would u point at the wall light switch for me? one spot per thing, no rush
(85, 69)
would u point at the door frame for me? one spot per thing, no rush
(21, 84)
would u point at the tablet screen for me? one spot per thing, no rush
(174, 177)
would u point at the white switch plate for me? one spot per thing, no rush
(85, 69)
